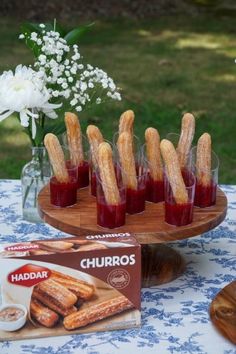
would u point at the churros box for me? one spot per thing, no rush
(73, 285)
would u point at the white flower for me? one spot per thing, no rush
(73, 102)
(42, 25)
(34, 36)
(24, 92)
(98, 100)
(21, 36)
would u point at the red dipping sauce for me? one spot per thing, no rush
(83, 175)
(135, 200)
(154, 190)
(93, 184)
(205, 196)
(178, 214)
(110, 216)
(63, 194)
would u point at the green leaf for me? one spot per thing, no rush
(28, 27)
(73, 36)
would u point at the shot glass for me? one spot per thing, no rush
(205, 195)
(93, 167)
(136, 142)
(135, 198)
(93, 179)
(83, 167)
(64, 194)
(110, 215)
(180, 214)
(154, 187)
(174, 138)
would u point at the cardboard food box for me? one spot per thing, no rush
(73, 285)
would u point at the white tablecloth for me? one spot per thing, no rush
(174, 316)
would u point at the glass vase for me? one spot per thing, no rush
(35, 175)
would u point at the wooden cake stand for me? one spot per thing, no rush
(160, 263)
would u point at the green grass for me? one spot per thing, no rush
(165, 67)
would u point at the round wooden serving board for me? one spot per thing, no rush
(223, 311)
(148, 227)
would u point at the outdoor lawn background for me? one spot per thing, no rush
(166, 66)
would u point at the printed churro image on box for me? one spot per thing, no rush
(44, 294)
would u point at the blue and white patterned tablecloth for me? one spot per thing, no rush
(174, 316)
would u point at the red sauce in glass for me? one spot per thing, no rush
(178, 214)
(135, 200)
(83, 175)
(154, 190)
(205, 196)
(110, 216)
(63, 194)
(93, 184)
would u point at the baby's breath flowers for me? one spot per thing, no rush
(66, 75)
(58, 78)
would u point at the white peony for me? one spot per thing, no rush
(25, 92)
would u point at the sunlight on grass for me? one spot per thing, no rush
(198, 41)
(225, 77)
(144, 33)
(158, 36)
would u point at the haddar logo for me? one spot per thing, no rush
(21, 247)
(29, 275)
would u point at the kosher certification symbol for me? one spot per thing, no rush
(118, 278)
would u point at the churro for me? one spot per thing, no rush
(55, 245)
(153, 152)
(126, 122)
(186, 138)
(42, 314)
(39, 252)
(127, 160)
(107, 174)
(97, 312)
(173, 171)
(92, 246)
(203, 160)
(57, 158)
(95, 139)
(74, 137)
(79, 287)
(55, 296)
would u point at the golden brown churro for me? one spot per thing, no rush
(55, 296)
(153, 152)
(97, 312)
(57, 158)
(203, 160)
(173, 171)
(125, 148)
(79, 287)
(126, 122)
(45, 316)
(55, 245)
(92, 246)
(95, 139)
(107, 174)
(74, 136)
(186, 138)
